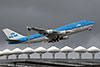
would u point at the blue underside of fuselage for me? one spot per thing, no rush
(65, 27)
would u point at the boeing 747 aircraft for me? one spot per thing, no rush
(51, 35)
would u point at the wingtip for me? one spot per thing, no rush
(28, 28)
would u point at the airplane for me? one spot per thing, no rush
(50, 35)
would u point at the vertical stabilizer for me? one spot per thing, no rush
(12, 34)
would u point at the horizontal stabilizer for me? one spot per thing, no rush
(12, 40)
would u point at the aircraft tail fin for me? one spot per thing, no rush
(12, 34)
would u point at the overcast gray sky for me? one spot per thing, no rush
(49, 14)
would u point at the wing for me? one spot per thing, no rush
(51, 34)
(42, 31)
(38, 29)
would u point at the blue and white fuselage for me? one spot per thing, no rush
(61, 32)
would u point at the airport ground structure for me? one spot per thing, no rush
(50, 62)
